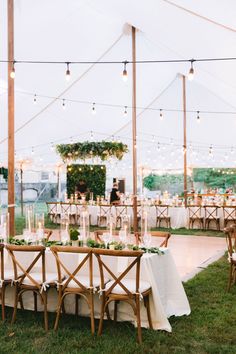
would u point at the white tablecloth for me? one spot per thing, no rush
(168, 295)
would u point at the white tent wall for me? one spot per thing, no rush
(74, 30)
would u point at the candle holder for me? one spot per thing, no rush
(64, 228)
(4, 228)
(84, 225)
(29, 218)
(145, 229)
(39, 226)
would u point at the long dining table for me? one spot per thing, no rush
(168, 295)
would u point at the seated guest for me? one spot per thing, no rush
(82, 188)
(115, 195)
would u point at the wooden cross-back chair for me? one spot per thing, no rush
(6, 279)
(52, 211)
(162, 214)
(103, 214)
(164, 235)
(211, 216)
(31, 277)
(47, 233)
(98, 234)
(75, 283)
(120, 211)
(229, 214)
(120, 288)
(230, 233)
(195, 215)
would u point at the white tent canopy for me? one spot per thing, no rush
(90, 30)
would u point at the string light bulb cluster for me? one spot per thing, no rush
(13, 72)
(93, 109)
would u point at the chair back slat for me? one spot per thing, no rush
(101, 255)
(38, 252)
(63, 270)
(230, 233)
(2, 260)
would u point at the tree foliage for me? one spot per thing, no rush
(155, 182)
(215, 178)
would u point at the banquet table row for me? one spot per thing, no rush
(168, 297)
(179, 215)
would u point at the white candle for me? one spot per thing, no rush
(84, 231)
(111, 228)
(39, 225)
(29, 222)
(145, 223)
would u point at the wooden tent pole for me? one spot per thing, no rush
(134, 129)
(11, 118)
(185, 141)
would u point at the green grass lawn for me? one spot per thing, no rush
(20, 225)
(210, 328)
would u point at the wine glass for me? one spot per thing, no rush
(106, 238)
(147, 240)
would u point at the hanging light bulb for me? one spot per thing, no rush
(191, 71)
(32, 151)
(198, 117)
(113, 139)
(211, 151)
(171, 142)
(91, 135)
(158, 146)
(184, 150)
(125, 111)
(67, 71)
(13, 73)
(153, 139)
(35, 99)
(161, 114)
(93, 109)
(118, 140)
(63, 104)
(125, 73)
(52, 146)
(71, 140)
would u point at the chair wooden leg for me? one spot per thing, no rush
(138, 319)
(44, 297)
(230, 278)
(21, 302)
(3, 301)
(147, 305)
(15, 305)
(115, 310)
(101, 315)
(35, 302)
(58, 313)
(76, 304)
(92, 313)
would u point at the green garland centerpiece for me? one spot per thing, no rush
(90, 149)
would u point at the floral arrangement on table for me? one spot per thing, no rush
(120, 246)
(90, 149)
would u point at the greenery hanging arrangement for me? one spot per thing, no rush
(88, 149)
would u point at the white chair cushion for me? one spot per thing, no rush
(84, 280)
(9, 274)
(37, 276)
(130, 284)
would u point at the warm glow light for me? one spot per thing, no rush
(63, 104)
(198, 117)
(125, 73)
(191, 72)
(125, 111)
(13, 73)
(68, 72)
(161, 114)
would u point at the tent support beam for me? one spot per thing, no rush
(134, 129)
(185, 140)
(11, 120)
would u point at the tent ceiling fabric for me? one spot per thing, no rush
(84, 30)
